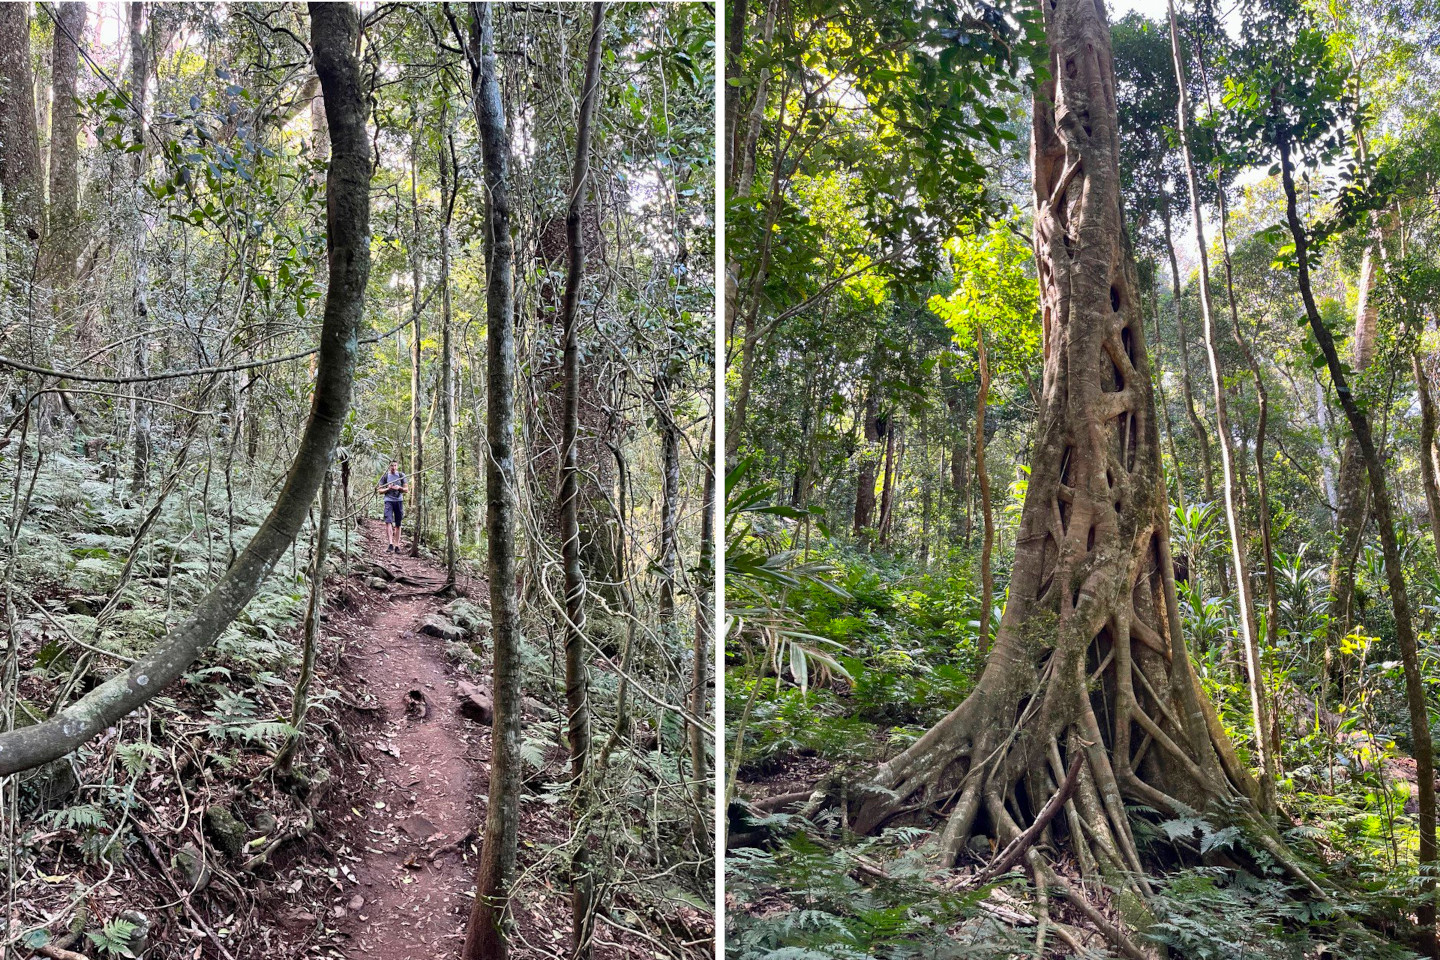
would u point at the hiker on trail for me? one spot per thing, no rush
(393, 485)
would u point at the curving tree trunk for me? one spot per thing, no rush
(335, 30)
(1088, 697)
(1384, 511)
(487, 935)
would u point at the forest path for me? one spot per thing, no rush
(424, 777)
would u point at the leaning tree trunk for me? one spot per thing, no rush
(1089, 684)
(487, 936)
(335, 29)
(1415, 696)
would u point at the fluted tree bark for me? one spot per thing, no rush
(1088, 697)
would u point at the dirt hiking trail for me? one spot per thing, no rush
(427, 769)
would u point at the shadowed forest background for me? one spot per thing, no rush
(1082, 584)
(251, 253)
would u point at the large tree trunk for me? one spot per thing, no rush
(335, 30)
(60, 233)
(486, 937)
(1384, 512)
(1089, 671)
(1259, 712)
(20, 156)
(577, 694)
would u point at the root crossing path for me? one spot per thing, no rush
(413, 804)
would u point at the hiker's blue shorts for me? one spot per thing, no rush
(394, 511)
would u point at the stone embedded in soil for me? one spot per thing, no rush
(435, 625)
(375, 583)
(356, 902)
(418, 828)
(192, 868)
(475, 702)
(224, 830)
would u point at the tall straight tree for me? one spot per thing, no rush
(417, 335)
(1259, 712)
(20, 158)
(60, 232)
(486, 937)
(447, 361)
(577, 693)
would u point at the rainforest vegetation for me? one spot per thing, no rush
(251, 254)
(1082, 507)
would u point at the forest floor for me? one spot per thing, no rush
(407, 812)
(376, 859)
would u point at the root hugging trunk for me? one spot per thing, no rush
(1089, 667)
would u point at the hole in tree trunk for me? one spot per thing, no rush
(1115, 297)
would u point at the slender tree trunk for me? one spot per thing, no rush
(1394, 567)
(417, 334)
(60, 233)
(139, 78)
(1352, 497)
(335, 30)
(669, 503)
(1259, 706)
(704, 618)
(447, 365)
(1160, 393)
(20, 158)
(1429, 469)
(577, 697)
(887, 480)
(865, 478)
(1202, 436)
(487, 935)
(300, 704)
(982, 474)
